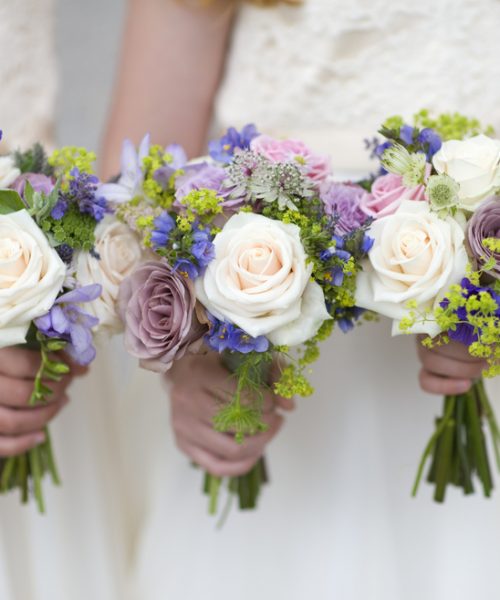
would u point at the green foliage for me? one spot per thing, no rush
(64, 160)
(34, 160)
(451, 126)
(75, 229)
(10, 201)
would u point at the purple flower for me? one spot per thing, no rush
(39, 183)
(67, 321)
(157, 306)
(164, 225)
(163, 175)
(226, 336)
(406, 134)
(59, 209)
(83, 190)
(431, 142)
(484, 224)
(203, 249)
(200, 176)
(186, 269)
(223, 149)
(342, 201)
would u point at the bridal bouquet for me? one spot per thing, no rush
(54, 248)
(254, 253)
(434, 268)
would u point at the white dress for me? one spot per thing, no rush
(337, 521)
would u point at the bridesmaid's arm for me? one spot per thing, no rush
(170, 67)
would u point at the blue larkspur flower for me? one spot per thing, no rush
(222, 150)
(68, 321)
(164, 224)
(203, 249)
(431, 141)
(226, 336)
(186, 268)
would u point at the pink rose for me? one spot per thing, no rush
(315, 166)
(387, 194)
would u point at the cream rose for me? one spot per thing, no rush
(260, 281)
(119, 254)
(416, 256)
(31, 276)
(474, 164)
(8, 171)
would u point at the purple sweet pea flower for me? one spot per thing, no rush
(484, 224)
(39, 183)
(342, 201)
(157, 305)
(67, 321)
(200, 176)
(131, 178)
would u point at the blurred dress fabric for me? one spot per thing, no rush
(337, 521)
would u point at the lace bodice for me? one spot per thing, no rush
(27, 72)
(331, 70)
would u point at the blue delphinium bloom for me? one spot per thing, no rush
(163, 227)
(223, 149)
(226, 336)
(431, 141)
(67, 321)
(83, 191)
(367, 243)
(406, 134)
(203, 249)
(186, 268)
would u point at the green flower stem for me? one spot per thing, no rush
(477, 442)
(461, 445)
(449, 408)
(444, 460)
(490, 416)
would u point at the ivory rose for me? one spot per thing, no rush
(8, 171)
(416, 256)
(260, 281)
(31, 276)
(119, 253)
(474, 164)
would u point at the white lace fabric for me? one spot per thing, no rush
(330, 72)
(27, 73)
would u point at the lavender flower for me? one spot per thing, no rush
(223, 150)
(67, 321)
(83, 191)
(342, 201)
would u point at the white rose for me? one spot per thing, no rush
(119, 254)
(8, 171)
(416, 256)
(474, 164)
(31, 276)
(260, 281)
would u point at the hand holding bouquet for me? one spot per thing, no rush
(50, 218)
(434, 268)
(249, 258)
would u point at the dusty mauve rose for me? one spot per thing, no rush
(388, 191)
(157, 305)
(39, 182)
(485, 223)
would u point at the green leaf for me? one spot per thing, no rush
(28, 193)
(10, 201)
